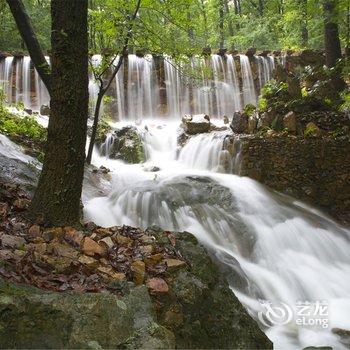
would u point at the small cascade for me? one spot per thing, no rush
(205, 151)
(173, 88)
(42, 95)
(119, 88)
(266, 65)
(233, 82)
(142, 90)
(249, 93)
(26, 83)
(7, 78)
(93, 85)
(17, 84)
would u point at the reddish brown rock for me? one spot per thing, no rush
(92, 248)
(107, 242)
(73, 236)
(157, 286)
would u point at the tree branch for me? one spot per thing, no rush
(28, 35)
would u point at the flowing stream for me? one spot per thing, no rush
(272, 248)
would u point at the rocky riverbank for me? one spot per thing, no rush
(117, 287)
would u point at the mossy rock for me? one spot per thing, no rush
(124, 144)
(32, 318)
(204, 311)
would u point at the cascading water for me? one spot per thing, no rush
(266, 65)
(276, 248)
(249, 92)
(201, 85)
(26, 84)
(7, 80)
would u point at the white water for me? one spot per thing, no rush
(287, 252)
(249, 93)
(215, 85)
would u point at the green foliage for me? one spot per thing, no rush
(262, 104)
(273, 88)
(103, 129)
(249, 109)
(346, 101)
(24, 130)
(184, 27)
(39, 12)
(27, 127)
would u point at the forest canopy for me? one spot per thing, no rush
(186, 26)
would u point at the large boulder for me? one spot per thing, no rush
(239, 122)
(17, 167)
(201, 309)
(124, 144)
(190, 306)
(196, 124)
(31, 318)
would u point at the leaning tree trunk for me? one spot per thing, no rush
(26, 30)
(57, 198)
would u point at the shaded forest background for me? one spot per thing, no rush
(193, 24)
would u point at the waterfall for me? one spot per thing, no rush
(26, 83)
(93, 85)
(141, 90)
(266, 65)
(249, 93)
(233, 83)
(274, 247)
(7, 84)
(173, 87)
(119, 88)
(205, 152)
(17, 84)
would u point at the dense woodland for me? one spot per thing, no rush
(186, 26)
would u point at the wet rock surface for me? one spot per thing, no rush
(196, 124)
(314, 169)
(124, 144)
(117, 287)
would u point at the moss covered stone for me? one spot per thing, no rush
(31, 318)
(124, 144)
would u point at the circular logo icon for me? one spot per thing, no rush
(275, 313)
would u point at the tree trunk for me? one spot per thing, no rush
(332, 43)
(221, 24)
(331, 34)
(95, 125)
(33, 46)
(57, 198)
(231, 32)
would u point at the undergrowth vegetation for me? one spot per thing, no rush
(24, 130)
